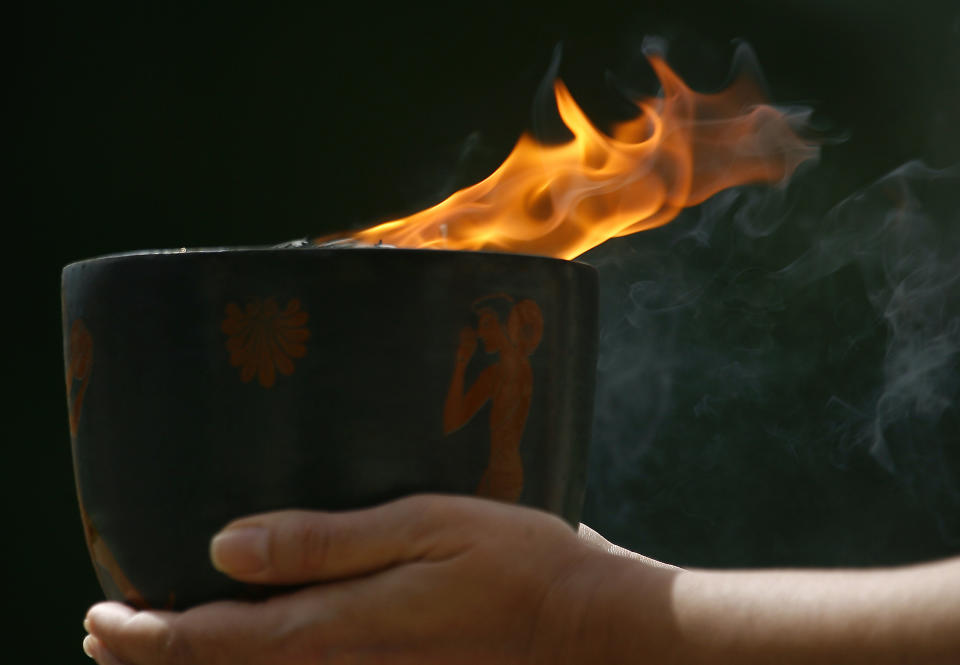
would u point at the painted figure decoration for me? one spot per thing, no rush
(79, 357)
(507, 384)
(79, 362)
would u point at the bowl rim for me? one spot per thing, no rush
(261, 250)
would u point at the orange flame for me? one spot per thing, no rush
(562, 200)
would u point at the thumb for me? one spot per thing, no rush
(298, 546)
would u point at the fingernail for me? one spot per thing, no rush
(89, 646)
(86, 625)
(242, 550)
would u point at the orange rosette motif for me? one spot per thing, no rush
(263, 339)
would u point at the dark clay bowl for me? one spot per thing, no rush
(204, 385)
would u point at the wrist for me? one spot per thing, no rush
(618, 610)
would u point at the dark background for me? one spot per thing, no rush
(198, 125)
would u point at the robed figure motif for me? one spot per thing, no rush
(507, 384)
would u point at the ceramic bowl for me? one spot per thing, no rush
(205, 385)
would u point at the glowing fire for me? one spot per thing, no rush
(562, 200)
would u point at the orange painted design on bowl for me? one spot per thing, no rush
(263, 339)
(106, 564)
(79, 364)
(507, 384)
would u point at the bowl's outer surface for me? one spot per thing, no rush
(179, 426)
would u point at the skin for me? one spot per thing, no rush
(457, 580)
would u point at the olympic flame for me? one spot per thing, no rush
(561, 200)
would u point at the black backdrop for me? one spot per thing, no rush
(192, 124)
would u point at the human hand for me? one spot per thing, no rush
(428, 579)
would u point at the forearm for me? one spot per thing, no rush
(902, 615)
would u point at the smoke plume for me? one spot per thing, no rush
(769, 370)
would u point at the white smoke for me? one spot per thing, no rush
(756, 335)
